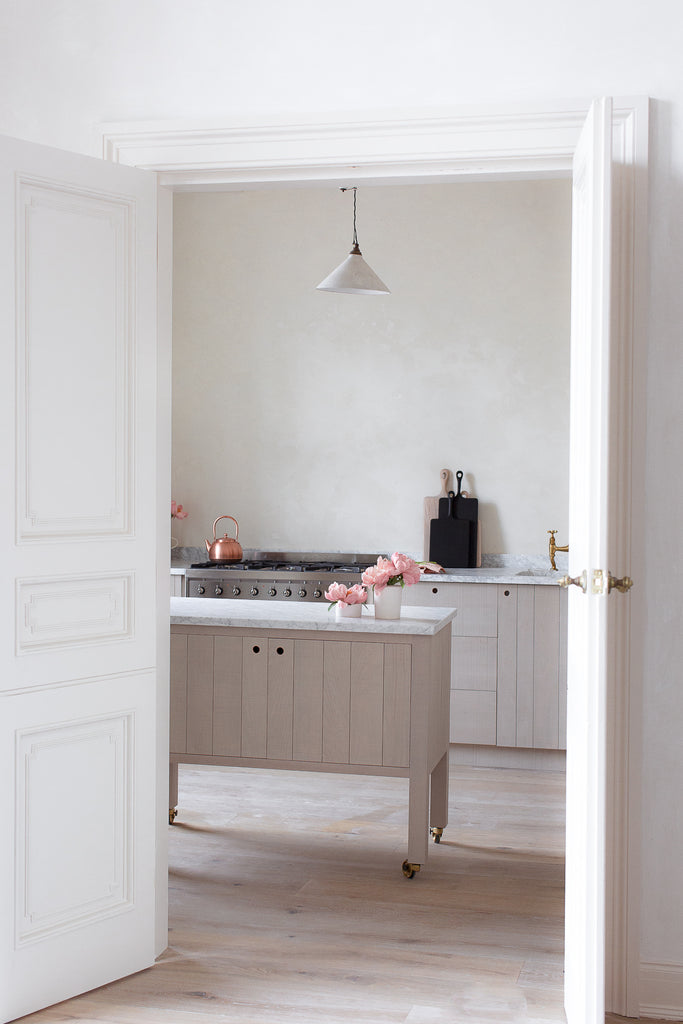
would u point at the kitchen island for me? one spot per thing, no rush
(276, 685)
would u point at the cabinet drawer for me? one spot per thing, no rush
(474, 661)
(473, 716)
(477, 604)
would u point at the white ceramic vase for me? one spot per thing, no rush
(348, 611)
(388, 603)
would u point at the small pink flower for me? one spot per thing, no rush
(406, 567)
(356, 594)
(399, 570)
(336, 592)
(177, 511)
(378, 576)
(346, 595)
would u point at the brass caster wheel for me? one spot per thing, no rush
(436, 833)
(409, 869)
(172, 814)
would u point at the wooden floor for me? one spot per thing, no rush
(288, 906)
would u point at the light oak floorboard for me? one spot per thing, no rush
(288, 906)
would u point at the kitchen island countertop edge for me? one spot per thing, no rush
(200, 611)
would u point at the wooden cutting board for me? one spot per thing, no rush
(431, 508)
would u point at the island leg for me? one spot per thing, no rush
(438, 809)
(418, 822)
(172, 791)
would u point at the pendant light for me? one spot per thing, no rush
(354, 276)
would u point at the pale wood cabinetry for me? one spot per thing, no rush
(508, 661)
(371, 704)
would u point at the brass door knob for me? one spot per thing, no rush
(622, 585)
(574, 581)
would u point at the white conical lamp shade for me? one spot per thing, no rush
(354, 277)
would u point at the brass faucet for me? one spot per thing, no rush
(553, 547)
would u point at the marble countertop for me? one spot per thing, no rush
(510, 569)
(495, 574)
(201, 611)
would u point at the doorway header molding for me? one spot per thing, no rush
(526, 142)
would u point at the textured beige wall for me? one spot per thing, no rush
(320, 421)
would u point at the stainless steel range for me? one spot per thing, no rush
(276, 575)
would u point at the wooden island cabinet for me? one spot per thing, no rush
(272, 685)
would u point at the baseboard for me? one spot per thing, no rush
(480, 756)
(661, 991)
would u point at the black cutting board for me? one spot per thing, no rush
(449, 538)
(467, 508)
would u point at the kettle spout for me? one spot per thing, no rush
(208, 547)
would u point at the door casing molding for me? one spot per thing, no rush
(479, 145)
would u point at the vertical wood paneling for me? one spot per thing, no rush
(336, 702)
(227, 695)
(525, 666)
(280, 699)
(367, 699)
(199, 694)
(254, 696)
(506, 703)
(178, 696)
(474, 661)
(396, 715)
(473, 716)
(477, 606)
(308, 701)
(562, 693)
(546, 666)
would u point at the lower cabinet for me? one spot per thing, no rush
(508, 662)
(375, 706)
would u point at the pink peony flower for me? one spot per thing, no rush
(346, 595)
(356, 594)
(406, 567)
(399, 570)
(177, 511)
(379, 576)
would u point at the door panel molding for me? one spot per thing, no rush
(69, 611)
(61, 891)
(76, 481)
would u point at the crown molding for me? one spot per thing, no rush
(192, 156)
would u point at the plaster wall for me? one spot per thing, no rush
(67, 65)
(320, 420)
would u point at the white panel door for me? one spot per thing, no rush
(78, 629)
(588, 531)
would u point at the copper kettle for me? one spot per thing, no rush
(225, 549)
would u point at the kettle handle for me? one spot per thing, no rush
(237, 529)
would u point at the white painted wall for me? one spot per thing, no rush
(320, 421)
(66, 65)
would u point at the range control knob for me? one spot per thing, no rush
(272, 592)
(254, 591)
(317, 593)
(302, 592)
(236, 591)
(200, 590)
(287, 592)
(218, 591)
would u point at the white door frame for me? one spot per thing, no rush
(521, 142)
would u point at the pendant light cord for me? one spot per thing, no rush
(353, 189)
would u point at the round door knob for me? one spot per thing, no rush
(200, 590)
(236, 591)
(287, 592)
(302, 592)
(218, 591)
(254, 591)
(317, 593)
(272, 592)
